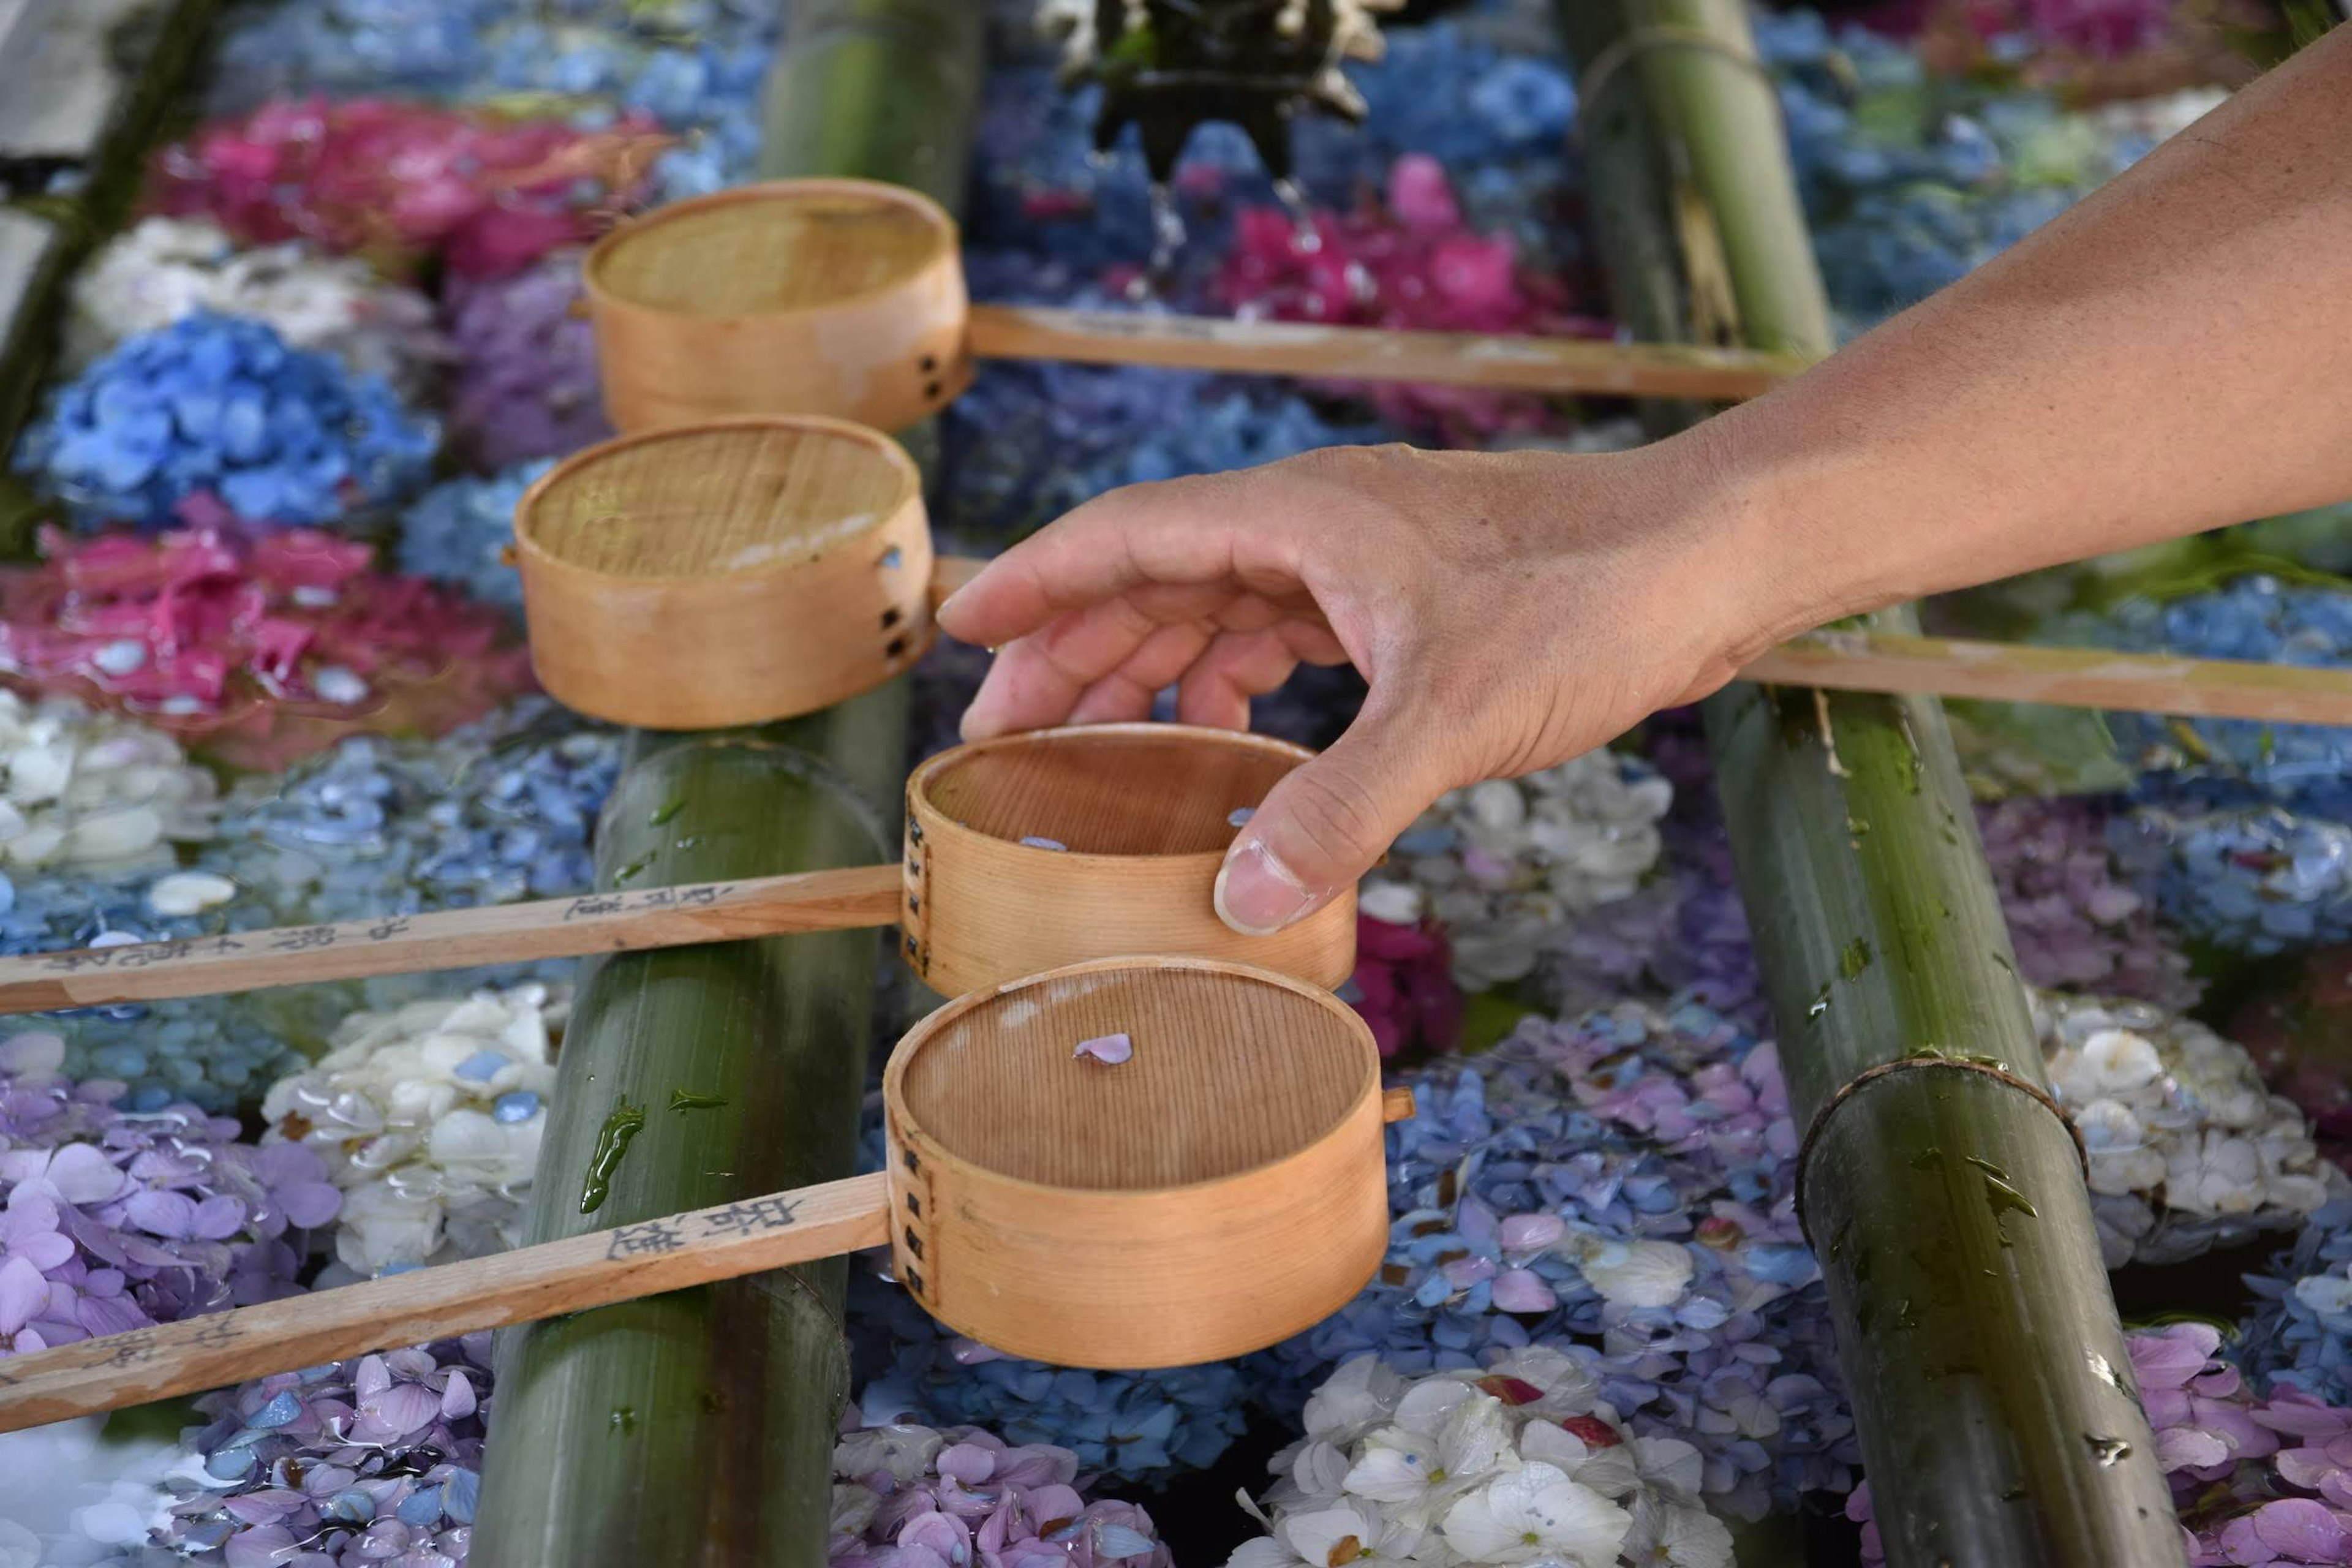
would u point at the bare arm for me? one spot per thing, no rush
(2173, 354)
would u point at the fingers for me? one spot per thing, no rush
(1240, 665)
(1323, 826)
(1179, 533)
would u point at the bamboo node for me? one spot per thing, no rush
(1930, 1062)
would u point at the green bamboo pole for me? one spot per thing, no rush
(696, 1427)
(1998, 1423)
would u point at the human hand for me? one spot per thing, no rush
(1508, 611)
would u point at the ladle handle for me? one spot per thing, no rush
(1890, 662)
(453, 939)
(1557, 365)
(424, 1304)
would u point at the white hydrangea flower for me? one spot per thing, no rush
(1536, 1515)
(164, 269)
(1447, 1439)
(1502, 864)
(2187, 1149)
(80, 787)
(1521, 1463)
(1634, 1273)
(429, 1117)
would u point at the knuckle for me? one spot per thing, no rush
(1336, 815)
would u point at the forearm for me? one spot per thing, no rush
(2174, 355)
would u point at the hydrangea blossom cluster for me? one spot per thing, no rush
(1911, 181)
(2301, 1336)
(1072, 217)
(429, 1120)
(2074, 922)
(1622, 1187)
(2073, 905)
(2299, 1034)
(2187, 1149)
(232, 638)
(458, 533)
(87, 790)
(1030, 442)
(2256, 879)
(117, 1220)
(693, 66)
(399, 182)
(377, 1460)
(1501, 865)
(525, 384)
(221, 409)
(1522, 1461)
(2107, 30)
(163, 268)
(1130, 1427)
(2221, 762)
(214, 1052)
(68, 1495)
(909, 1495)
(1412, 263)
(493, 813)
(1404, 987)
(2241, 1469)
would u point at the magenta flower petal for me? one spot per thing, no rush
(1108, 1049)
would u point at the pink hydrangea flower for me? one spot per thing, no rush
(267, 645)
(1405, 986)
(398, 182)
(1409, 263)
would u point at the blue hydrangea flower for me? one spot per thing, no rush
(221, 407)
(1029, 442)
(488, 815)
(457, 531)
(2300, 1336)
(1130, 1427)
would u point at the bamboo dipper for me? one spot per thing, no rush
(1206, 1180)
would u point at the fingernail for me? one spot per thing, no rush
(1257, 895)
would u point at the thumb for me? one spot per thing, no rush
(1323, 826)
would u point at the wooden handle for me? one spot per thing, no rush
(1367, 353)
(519, 1287)
(2063, 677)
(455, 939)
(2009, 672)
(949, 572)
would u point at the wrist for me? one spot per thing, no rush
(1757, 552)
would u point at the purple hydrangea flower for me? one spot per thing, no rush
(376, 1461)
(112, 1219)
(525, 384)
(907, 1496)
